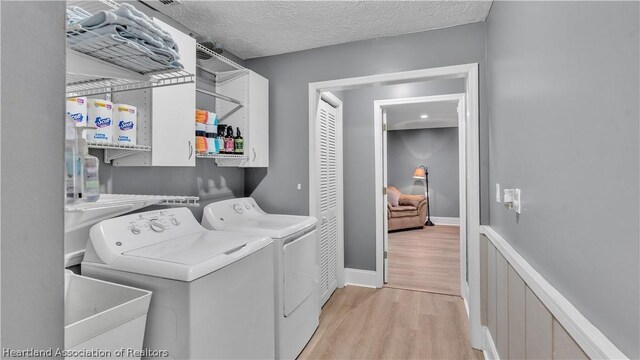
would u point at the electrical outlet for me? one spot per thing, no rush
(498, 200)
(508, 198)
(517, 201)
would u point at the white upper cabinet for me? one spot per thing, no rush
(251, 116)
(173, 112)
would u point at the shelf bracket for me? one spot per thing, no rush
(225, 116)
(236, 74)
(113, 154)
(220, 96)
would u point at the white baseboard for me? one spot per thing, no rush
(445, 220)
(594, 343)
(357, 277)
(490, 351)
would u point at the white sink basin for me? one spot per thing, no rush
(103, 316)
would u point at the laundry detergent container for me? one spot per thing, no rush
(103, 319)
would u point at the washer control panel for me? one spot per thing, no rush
(119, 235)
(155, 221)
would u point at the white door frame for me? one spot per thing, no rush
(469, 72)
(378, 106)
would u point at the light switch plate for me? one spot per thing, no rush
(498, 200)
(517, 201)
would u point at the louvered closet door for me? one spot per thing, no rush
(328, 198)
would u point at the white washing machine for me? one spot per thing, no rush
(213, 293)
(296, 266)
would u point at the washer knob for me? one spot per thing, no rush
(156, 226)
(175, 221)
(135, 230)
(247, 206)
(238, 208)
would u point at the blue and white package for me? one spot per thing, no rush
(125, 124)
(77, 110)
(100, 117)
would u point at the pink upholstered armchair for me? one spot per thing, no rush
(410, 212)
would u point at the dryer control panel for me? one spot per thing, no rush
(113, 237)
(221, 214)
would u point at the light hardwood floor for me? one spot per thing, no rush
(365, 323)
(426, 259)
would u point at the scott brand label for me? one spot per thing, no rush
(125, 125)
(102, 122)
(77, 117)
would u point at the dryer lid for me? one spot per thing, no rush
(274, 226)
(244, 215)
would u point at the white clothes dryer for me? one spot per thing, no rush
(297, 291)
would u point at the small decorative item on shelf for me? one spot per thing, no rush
(238, 143)
(229, 143)
(220, 139)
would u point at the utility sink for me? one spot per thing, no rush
(102, 319)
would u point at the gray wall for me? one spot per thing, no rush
(289, 77)
(563, 99)
(359, 199)
(32, 162)
(438, 150)
(206, 180)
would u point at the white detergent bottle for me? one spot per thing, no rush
(73, 169)
(91, 189)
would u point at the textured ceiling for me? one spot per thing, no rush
(405, 117)
(251, 29)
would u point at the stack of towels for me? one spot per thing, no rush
(126, 26)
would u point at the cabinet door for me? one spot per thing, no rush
(173, 112)
(258, 108)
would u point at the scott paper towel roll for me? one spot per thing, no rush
(125, 124)
(77, 109)
(100, 117)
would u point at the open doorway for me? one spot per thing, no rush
(366, 264)
(423, 171)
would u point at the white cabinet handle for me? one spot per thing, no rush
(254, 154)
(190, 150)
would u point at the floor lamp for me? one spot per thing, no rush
(422, 173)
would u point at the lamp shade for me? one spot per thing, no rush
(419, 173)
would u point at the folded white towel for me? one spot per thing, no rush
(133, 14)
